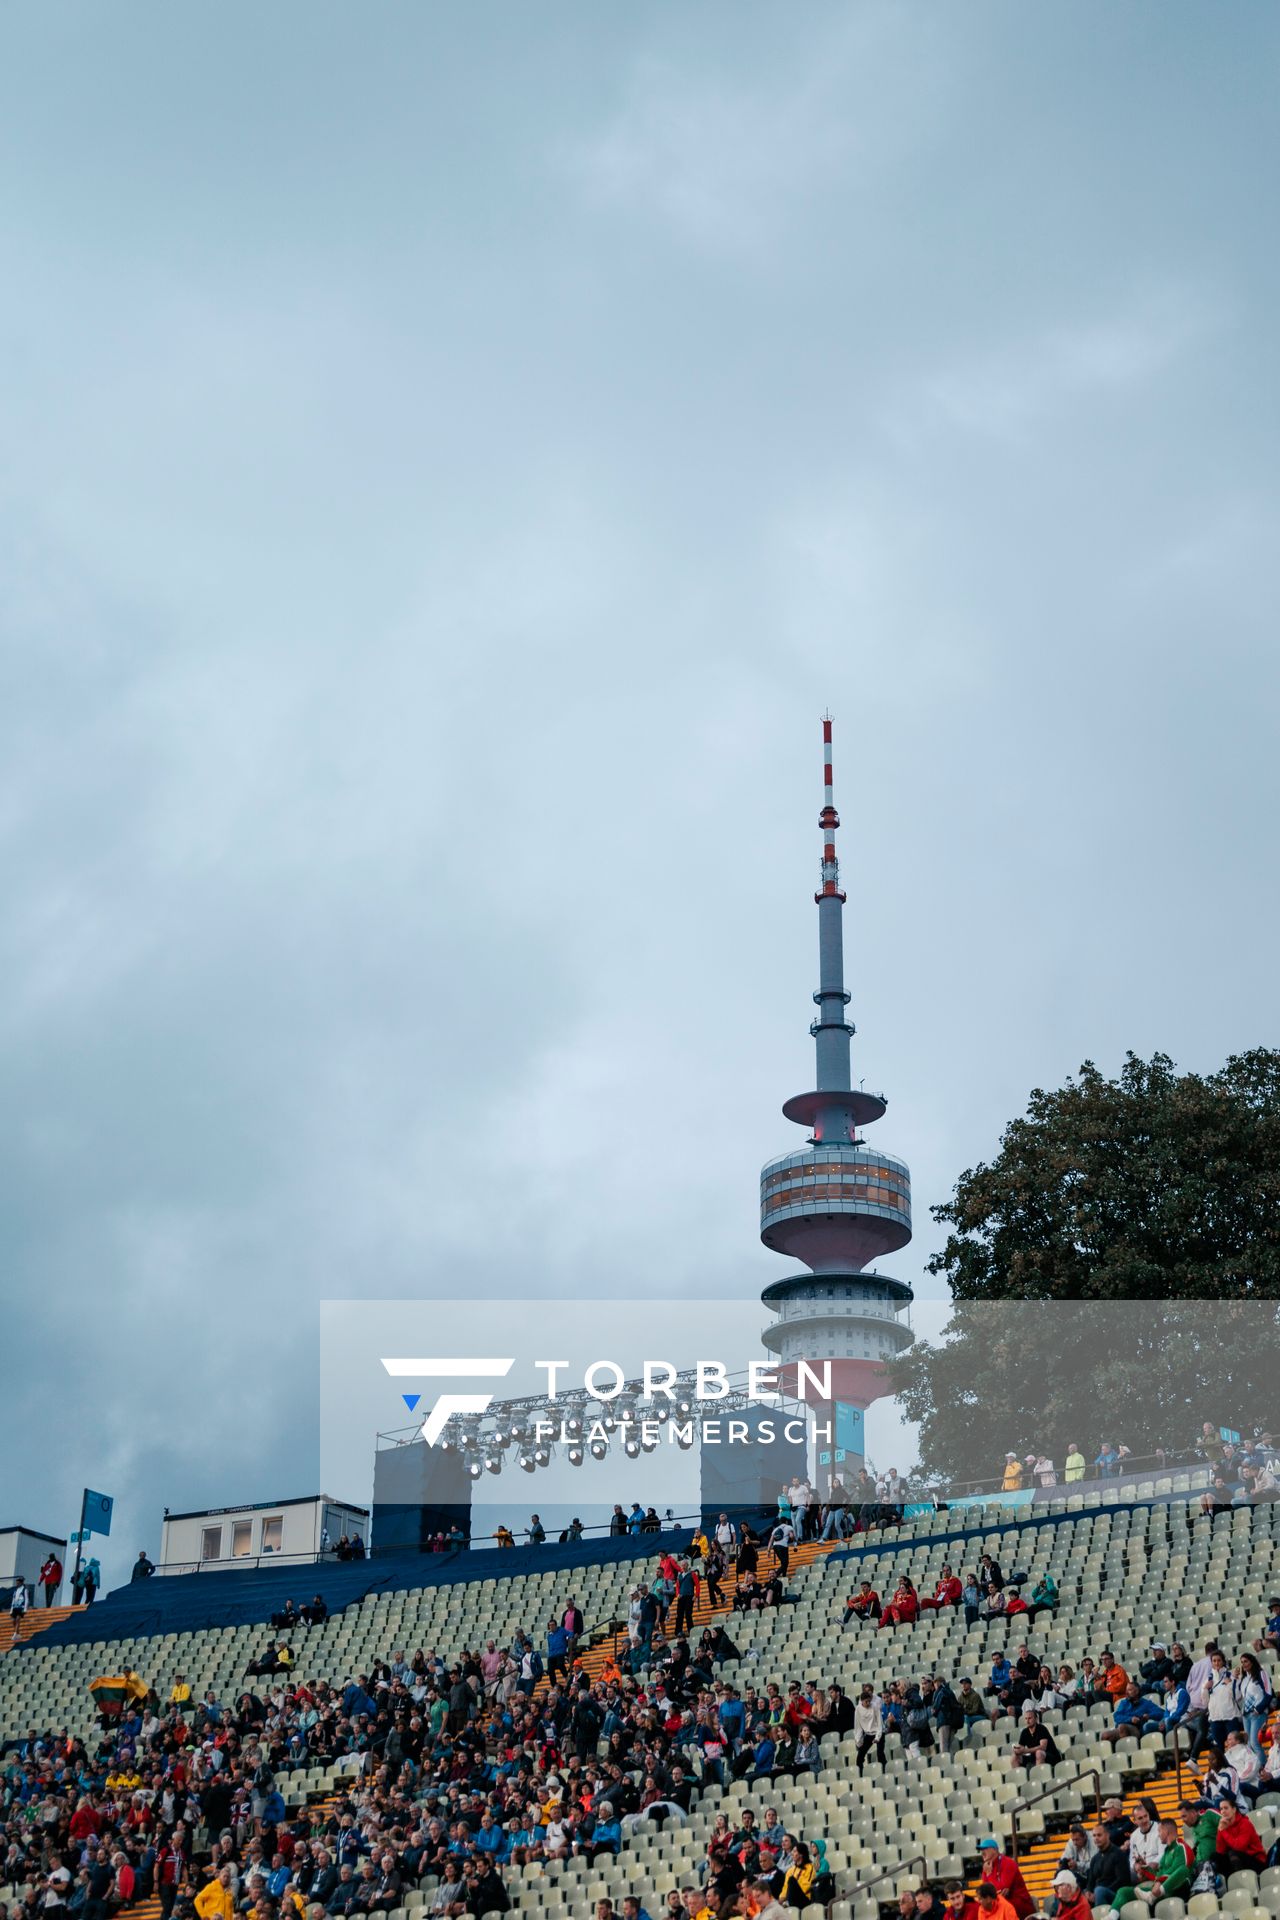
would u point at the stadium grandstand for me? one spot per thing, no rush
(933, 1716)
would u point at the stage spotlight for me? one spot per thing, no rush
(631, 1447)
(575, 1456)
(599, 1448)
(526, 1463)
(541, 1457)
(475, 1468)
(493, 1463)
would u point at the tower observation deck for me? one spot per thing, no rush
(836, 1205)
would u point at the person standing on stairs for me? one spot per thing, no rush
(781, 1541)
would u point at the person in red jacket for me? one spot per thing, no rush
(864, 1604)
(86, 1822)
(1005, 1875)
(905, 1607)
(960, 1904)
(1073, 1902)
(1239, 1847)
(51, 1578)
(945, 1594)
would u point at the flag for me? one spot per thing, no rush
(112, 1693)
(97, 1512)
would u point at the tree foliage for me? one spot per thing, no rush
(1115, 1272)
(1155, 1186)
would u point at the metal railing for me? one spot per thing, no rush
(1133, 1466)
(1056, 1786)
(889, 1873)
(315, 1557)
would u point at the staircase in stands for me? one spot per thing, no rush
(32, 1622)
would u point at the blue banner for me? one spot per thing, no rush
(97, 1512)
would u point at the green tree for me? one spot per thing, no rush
(1115, 1269)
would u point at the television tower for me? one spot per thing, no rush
(836, 1206)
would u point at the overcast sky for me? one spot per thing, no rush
(450, 459)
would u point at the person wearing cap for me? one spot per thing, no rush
(1153, 1670)
(1003, 1873)
(1271, 1631)
(969, 1701)
(1070, 1902)
(1117, 1819)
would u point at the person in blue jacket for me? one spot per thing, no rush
(606, 1835)
(1132, 1713)
(557, 1650)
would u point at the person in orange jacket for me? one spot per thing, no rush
(993, 1905)
(1114, 1677)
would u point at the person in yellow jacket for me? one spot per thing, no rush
(123, 1781)
(1012, 1473)
(181, 1694)
(216, 1900)
(799, 1879)
(1074, 1466)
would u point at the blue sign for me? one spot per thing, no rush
(97, 1512)
(849, 1430)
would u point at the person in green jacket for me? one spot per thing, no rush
(1200, 1830)
(1073, 1467)
(1045, 1592)
(1174, 1874)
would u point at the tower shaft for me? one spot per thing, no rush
(831, 1031)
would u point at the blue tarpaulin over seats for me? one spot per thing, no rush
(192, 1602)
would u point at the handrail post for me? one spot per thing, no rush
(1058, 1786)
(890, 1873)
